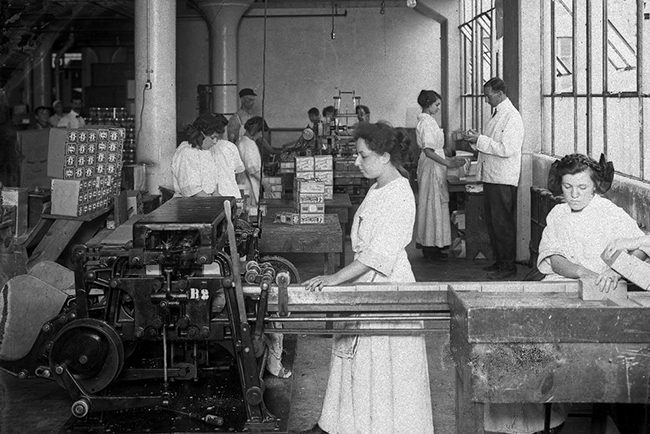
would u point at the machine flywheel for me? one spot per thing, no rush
(91, 350)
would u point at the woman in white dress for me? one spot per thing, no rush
(433, 225)
(226, 156)
(576, 234)
(378, 384)
(194, 169)
(251, 178)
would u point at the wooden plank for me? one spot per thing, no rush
(576, 372)
(546, 317)
(280, 238)
(55, 240)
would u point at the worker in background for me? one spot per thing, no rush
(73, 118)
(315, 121)
(41, 118)
(251, 178)
(329, 119)
(499, 166)
(363, 113)
(226, 156)
(57, 106)
(194, 169)
(247, 99)
(236, 123)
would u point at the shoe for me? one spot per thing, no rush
(493, 267)
(314, 430)
(282, 373)
(438, 256)
(502, 274)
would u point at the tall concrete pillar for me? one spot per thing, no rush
(42, 72)
(223, 20)
(155, 84)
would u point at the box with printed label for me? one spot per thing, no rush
(287, 218)
(326, 177)
(312, 219)
(310, 208)
(272, 195)
(323, 162)
(304, 164)
(305, 176)
(273, 180)
(309, 187)
(329, 192)
(310, 198)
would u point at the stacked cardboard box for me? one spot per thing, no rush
(86, 165)
(318, 168)
(310, 201)
(272, 187)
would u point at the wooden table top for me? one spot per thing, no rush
(318, 238)
(339, 200)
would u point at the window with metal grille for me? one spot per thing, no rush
(593, 90)
(480, 59)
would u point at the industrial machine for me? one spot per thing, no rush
(168, 308)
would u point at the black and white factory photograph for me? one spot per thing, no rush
(325, 216)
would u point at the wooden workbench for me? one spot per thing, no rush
(513, 346)
(325, 239)
(340, 205)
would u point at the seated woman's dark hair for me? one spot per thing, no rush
(255, 125)
(313, 112)
(205, 125)
(382, 138)
(601, 172)
(428, 97)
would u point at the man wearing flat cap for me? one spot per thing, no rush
(245, 112)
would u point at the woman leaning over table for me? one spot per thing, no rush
(378, 384)
(193, 167)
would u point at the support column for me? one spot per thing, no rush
(155, 83)
(223, 20)
(42, 73)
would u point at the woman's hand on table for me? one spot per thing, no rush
(318, 282)
(607, 280)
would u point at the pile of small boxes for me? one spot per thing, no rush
(272, 187)
(317, 168)
(86, 167)
(310, 201)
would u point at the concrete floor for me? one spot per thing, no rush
(41, 406)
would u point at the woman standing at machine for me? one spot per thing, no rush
(378, 383)
(193, 168)
(433, 224)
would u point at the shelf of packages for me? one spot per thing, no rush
(117, 116)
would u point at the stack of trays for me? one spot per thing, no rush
(86, 167)
(310, 201)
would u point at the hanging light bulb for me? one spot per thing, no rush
(411, 3)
